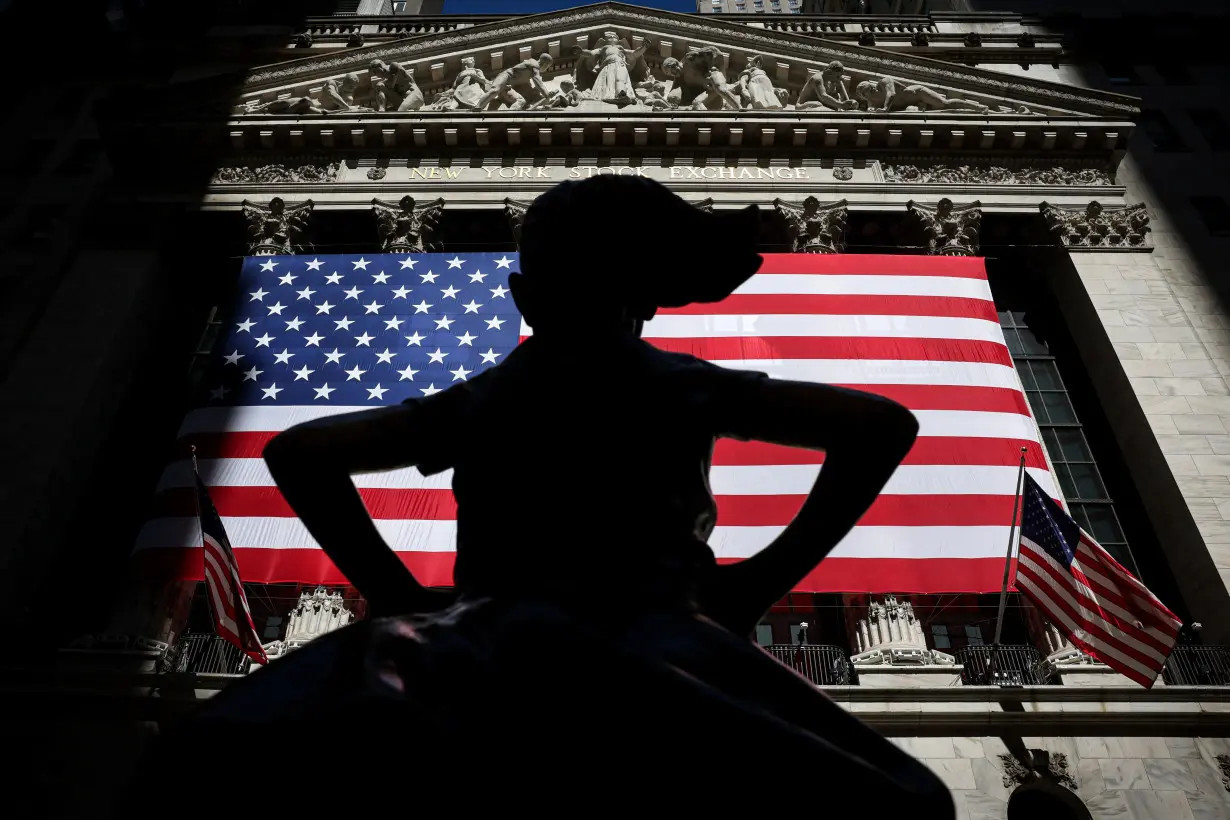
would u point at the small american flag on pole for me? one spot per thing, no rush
(227, 601)
(1093, 600)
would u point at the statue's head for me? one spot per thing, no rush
(610, 38)
(811, 205)
(671, 67)
(378, 67)
(1093, 209)
(406, 203)
(276, 206)
(544, 60)
(350, 82)
(467, 62)
(756, 61)
(944, 207)
(834, 67)
(865, 90)
(566, 84)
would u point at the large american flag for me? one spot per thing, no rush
(1093, 600)
(312, 336)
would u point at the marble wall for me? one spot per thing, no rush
(1118, 778)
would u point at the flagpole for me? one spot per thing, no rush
(1003, 592)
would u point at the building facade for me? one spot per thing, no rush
(1092, 184)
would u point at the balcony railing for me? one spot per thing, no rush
(1198, 666)
(1013, 665)
(822, 665)
(205, 654)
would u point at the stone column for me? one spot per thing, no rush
(276, 229)
(815, 228)
(891, 649)
(947, 229)
(317, 613)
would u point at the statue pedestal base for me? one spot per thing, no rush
(908, 677)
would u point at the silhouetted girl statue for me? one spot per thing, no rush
(593, 653)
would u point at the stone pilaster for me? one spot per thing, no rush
(317, 613)
(891, 649)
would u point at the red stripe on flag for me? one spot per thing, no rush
(933, 450)
(873, 265)
(811, 304)
(726, 348)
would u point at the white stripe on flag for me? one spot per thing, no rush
(854, 285)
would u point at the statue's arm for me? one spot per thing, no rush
(312, 464)
(864, 438)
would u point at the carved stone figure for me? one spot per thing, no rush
(826, 89)
(1038, 764)
(318, 613)
(717, 93)
(275, 229)
(405, 228)
(947, 229)
(286, 105)
(339, 95)
(892, 634)
(566, 97)
(1095, 228)
(469, 86)
(611, 78)
(517, 86)
(393, 87)
(814, 229)
(885, 95)
(652, 92)
(756, 90)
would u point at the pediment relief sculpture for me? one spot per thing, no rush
(616, 74)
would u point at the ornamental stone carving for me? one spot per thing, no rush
(318, 613)
(826, 88)
(1095, 228)
(756, 90)
(892, 635)
(994, 175)
(275, 173)
(948, 230)
(889, 95)
(276, 229)
(610, 72)
(406, 227)
(815, 229)
(517, 87)
(1040, 764)
(514, 211)
(469, 86)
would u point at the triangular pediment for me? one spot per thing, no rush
(670, 57)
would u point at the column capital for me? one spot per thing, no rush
(406, 227)
(948, 229)
(276, 229)
(813, 227)
(891, 634)
(1095, 228)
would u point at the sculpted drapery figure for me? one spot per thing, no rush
(275, 229)
(610, 71)
(405, 227)
(756, 89)
(814, 229)
(467, 90)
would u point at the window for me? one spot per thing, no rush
(1214, 212)
(1077, 472)
(1160, 132)
(1120, 73)
(764, 634)
(939, 636)
(759, 4)
(273, 628)
(973, 635)
(740, 7)
(1173, 73)
(1212, 126)
(399, 6)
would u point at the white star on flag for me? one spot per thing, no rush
(313, 340)
(429, 276)
(373, 307)
(450, 292)
(477, 276)
(460, 373)
(408, 262)
(364, 340)
(465, 339)
(343, 323)
(498, 292)
(233, 358)
(490, 356)
(495, 322)
(386, 357)
(393, 324)
(245, 326)
(353, 293)
(334, 278)
(250, 375)
(287, 279)
(283, 357)
(263, 341)
(401, 292)
(422, 307)
(444, 323)
(271, 392)
(456, 262)
(430, 390)
(258, 294)
(294, 323)
(376, 392)
(408, 373)
(314, 264)
(218, 393)
(306, 293)
(335, 357)
(503, 262)
(415, 339)
(323, 307)
(354, 374)
(276, 307)
(268, 266)
(360, 264)
(472, 307)
(302, 373)
(323, 391)
(437, 357)
(380, 278)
